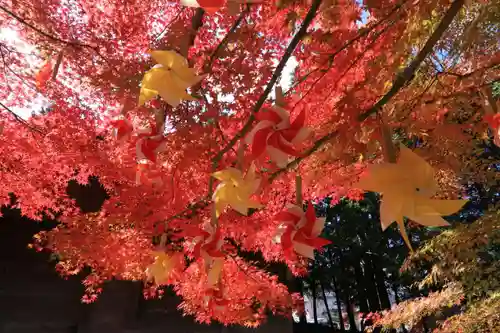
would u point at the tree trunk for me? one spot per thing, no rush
(347, 298)
(339, 303)
(362, 298)
(383, 295)
(350, 313)
(326, 303)
(315, 308)
(370, 285)
(300, 284)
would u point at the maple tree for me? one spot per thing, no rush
(169, 105)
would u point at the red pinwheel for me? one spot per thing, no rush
(276, 135)
(147, 174)
(44, 75)
(214, 298)
(299, 231)
(122, 128)
(208, 243)
(150, 142)
(493, 121)
(211, 6)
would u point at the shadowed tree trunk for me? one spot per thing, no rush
(383, 295)
(339, 303)
(370, 285)
(315, 308)
(326, 303)
(362, 298)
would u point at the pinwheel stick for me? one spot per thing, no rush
(214, 221)
(240, 155)
(298, 189)
(163, 241)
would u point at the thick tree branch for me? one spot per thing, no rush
(21, 120)
(399, 82)
(277, 73)
(43, 33)
(405, 76)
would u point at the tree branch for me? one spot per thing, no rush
(43, 33)
(397, 85)
(277, 72)
(405, 76)
(21, 120)
(225, 40)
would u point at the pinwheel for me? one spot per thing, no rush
(44, 75)
(212, 6)
(214, 298)
(169, 80)
(146, 174)
(161, 271)
(493, 121)
(208, 243)
(149, 143)
(122, 128)
(275, 135)
(235, 190)
(406, 188)
(299, 231)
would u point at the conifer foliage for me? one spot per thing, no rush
(205, 120)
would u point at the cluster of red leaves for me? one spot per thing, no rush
(343, 69)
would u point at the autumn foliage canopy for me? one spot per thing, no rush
(215, 125)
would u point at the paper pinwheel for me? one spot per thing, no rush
(161, 270)
(493, 121)
(147, 174)
(214, 298)
(235, 190)
(208, 244)
(212, 6)
(122, 128)
(149, 143)
(276, 135)
(299, 231)
(170, 80)
(44, 74)
(406, 188)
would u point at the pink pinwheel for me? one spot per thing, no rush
(208, 243)
(214, 298)
(147, 174)
(276, 135)
(122, 128)
(150, 142)
(493, 121)
(299, 231)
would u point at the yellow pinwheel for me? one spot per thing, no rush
(170, 80)
(235, 190)
(162, 268)
(407, 187)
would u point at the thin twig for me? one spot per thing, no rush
(225, 40)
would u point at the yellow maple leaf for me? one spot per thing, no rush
(235, 190)
(170, 80)
(407, 187)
